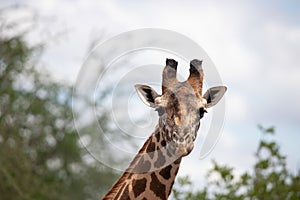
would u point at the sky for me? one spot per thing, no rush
(254, 45)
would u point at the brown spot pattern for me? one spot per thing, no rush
(168, 152)
(151, 148)
(166, 172)
(163, 143)
(146, 166)
(142, 166)
(139, 186)
(177, 161)
(157, 187)
(157, 135)
(160, 160)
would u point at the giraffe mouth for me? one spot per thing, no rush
(184, 151)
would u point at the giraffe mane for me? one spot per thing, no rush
(116, 189)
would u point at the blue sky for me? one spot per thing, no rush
(255, 46)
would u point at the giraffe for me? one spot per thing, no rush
(180, 107)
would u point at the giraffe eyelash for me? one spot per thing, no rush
(160, 110)
(202, 111)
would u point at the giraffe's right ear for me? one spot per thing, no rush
(147, 94)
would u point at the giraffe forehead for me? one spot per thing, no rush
(183, 94)
(183, 104)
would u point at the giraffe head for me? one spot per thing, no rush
(181, 105)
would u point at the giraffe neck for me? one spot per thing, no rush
(150, 175)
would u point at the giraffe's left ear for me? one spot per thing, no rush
(213, 95)
(147, 94)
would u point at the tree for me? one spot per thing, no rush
(269, 179)
(40, 156)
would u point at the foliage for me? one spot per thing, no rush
(269, 179)
(40, 156)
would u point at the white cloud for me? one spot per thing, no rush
(236, 107)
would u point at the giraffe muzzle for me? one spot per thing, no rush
(185, 150)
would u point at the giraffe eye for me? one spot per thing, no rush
(160, 110)
(201, 112)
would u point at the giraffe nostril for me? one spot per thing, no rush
(175, 136)
(181, 139)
